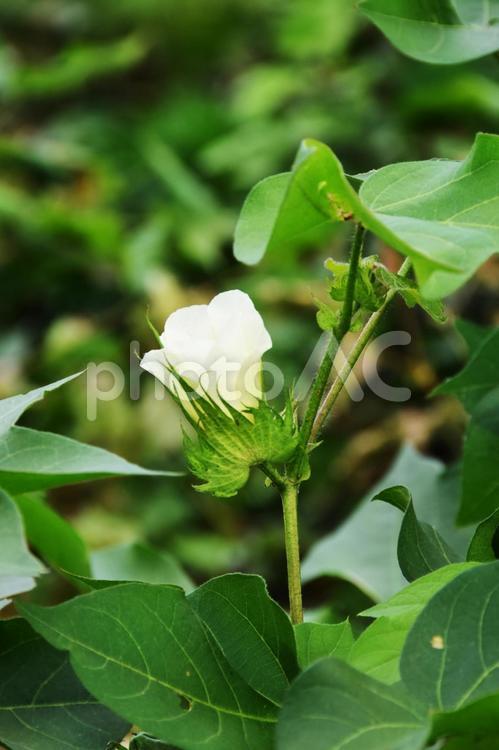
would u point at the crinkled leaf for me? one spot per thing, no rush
(410, 293)
(332, 706)
(33, 460)
(451, 655)
(13, 407)
(145, 653)
(368, 291)
(18, 567)
(315, 640)
(253, 632)
(43, 705)
(420, 548)
(227, 445)
(437, 31)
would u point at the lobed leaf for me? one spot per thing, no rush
(143, 651)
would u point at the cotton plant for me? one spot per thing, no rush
(221, 666)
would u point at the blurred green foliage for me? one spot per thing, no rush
(129, 135)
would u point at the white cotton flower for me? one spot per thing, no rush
(217, 348)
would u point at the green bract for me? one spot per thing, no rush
(229, 442)
(442, 214)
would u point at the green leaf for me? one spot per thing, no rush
(437, 31)
(18, 567)
(55, 539)
(252, 631)
(12, 408)
(144, 652)
(481, 546)
(451, 656)
(32, 460)
(480, 491)
(363, 550)
(316, 640)
(412, 599)
(332, 706)
(420, 547)
(480, 374)
(136, 561)
(442, 214)
(43, 706)
(378, 649)
(229, 444)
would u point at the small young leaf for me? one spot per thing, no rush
(316, 640)
(238, 610)
(410, 293)
(333, 706)
(420, 547)
(43, 705)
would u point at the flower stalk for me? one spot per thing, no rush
(290, 512)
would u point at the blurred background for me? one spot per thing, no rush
(130, 134)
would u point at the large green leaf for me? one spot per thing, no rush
(43, 705)
(332, 706)
(316, 640)
(451, 655)
(440, 213)
(444, 212)
(136, 561)
(438, 31)
(33, 460)
(18, 567)
(480, 491)
(364, 548)
(479, 376)
(238, 610)
(13, 407)
(378, 649)
(420, 548)
(55, 539)
(145, 653)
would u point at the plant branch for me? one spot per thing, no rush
(364, 338)
(322, 375)
(290, 513)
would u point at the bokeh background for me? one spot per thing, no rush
(130, 134)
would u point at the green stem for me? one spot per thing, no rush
(361, 343)
(355, 255)
(322, 376)
(290, 512)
